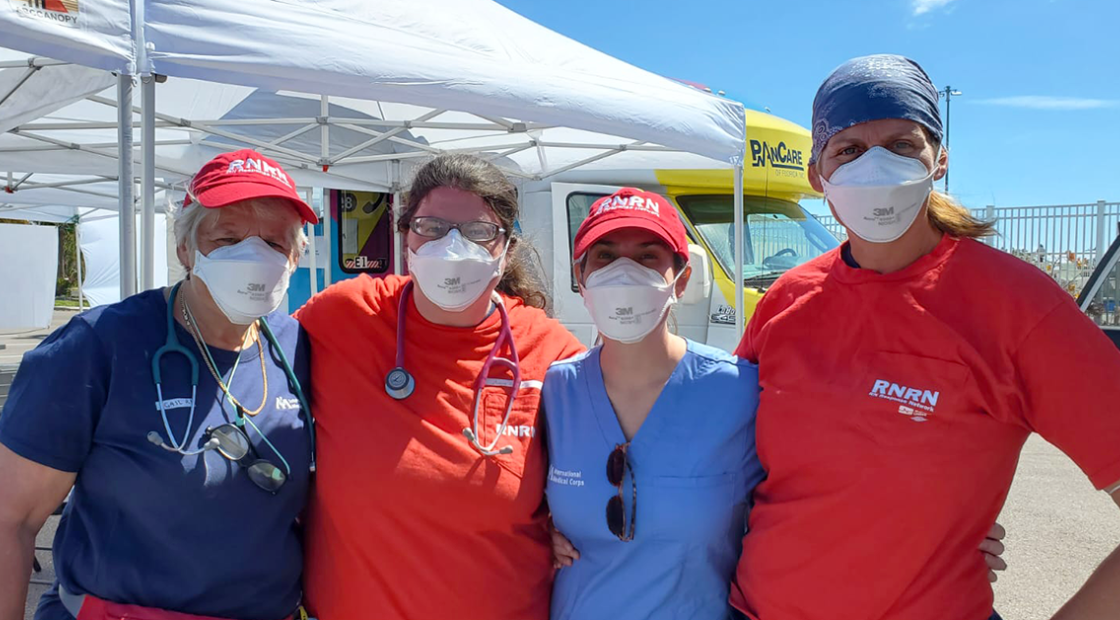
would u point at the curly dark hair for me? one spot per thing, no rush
(521, 277)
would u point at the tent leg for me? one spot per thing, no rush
(312, 261)
(127, 209)
(325, 153)
(327, 241)
(148, 214)
(78, 250)
(740, 312)
(398, 238)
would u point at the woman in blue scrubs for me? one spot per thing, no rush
(650, 435)
(176, 417)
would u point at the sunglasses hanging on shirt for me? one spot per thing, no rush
(618, 463)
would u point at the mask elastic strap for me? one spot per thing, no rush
(673, 283)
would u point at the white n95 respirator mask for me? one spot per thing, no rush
(626, 300)
(453, 272)
(247, 280)
(878, 195)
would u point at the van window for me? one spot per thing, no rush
(780, 234)
(579, 205)
(365, 233)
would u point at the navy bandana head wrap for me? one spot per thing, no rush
(870, 88)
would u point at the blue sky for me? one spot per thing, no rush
(1039, 119)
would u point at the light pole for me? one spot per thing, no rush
(948, 94)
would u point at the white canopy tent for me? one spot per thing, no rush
(423, 77)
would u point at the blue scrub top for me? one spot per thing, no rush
(146, 526)
(695, 464)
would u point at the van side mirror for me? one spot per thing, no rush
(699, 288)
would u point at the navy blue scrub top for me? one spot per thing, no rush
(695, 464)
(146, 526)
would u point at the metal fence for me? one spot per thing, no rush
(1065, 241)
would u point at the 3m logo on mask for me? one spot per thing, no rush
(64, 12)
(883, 212)
(255, 288)
(637, 203)
(780, 156)
(917, 403)
(258, 166)
(624, 311)
(452, 281)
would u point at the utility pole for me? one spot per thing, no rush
(948, 94)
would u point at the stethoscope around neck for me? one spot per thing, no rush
(400, 384)
(172, 345)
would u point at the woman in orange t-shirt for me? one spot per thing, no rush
(901, 375)
(428, 501)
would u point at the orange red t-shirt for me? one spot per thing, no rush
(892, 414)
(406, 519)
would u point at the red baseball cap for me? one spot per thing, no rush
(630, 207)
(244, 175)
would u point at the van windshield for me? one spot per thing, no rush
(780, 234)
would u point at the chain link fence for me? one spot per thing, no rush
(1065, 241)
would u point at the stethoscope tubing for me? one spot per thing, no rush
(172, 345)
(513, 363)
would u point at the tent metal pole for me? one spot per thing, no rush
(148, 214)
(324, 161)
(737, 278)
(327, 241)
(125, 181)
(22, 80)
(312, 261)
(398, 238)
(78, 250)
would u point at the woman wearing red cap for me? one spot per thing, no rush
(177, 417)
(428, 496)
(901, 375)
(670, 421)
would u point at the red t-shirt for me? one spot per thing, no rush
(892, 413)
(406, 519)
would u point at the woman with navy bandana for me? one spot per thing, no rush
(901, 375)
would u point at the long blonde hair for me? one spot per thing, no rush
(948, 216)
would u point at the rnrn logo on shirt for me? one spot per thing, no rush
(914, 402)
(637, 203)
(516, 431)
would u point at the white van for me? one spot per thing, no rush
(778, 232)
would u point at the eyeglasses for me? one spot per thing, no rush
(435, 227)
(617, 465)
(234, 444)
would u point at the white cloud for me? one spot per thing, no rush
(1039, 102)
(922, 7)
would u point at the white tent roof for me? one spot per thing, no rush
(467, 55)
(72, 150)
(472, 57)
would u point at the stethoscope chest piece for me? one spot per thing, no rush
(399, 383)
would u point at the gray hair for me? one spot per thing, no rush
(187, 221)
